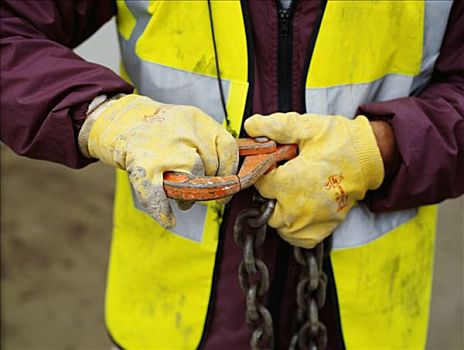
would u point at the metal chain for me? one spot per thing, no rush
(253, 275)
(311, 290)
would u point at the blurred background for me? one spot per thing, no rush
(55, 237)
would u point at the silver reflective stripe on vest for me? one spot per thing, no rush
(174, 86)
(167, 84)
(436, 18)
(362, 226)
(345, 99)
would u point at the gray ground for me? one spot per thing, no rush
(55, 235)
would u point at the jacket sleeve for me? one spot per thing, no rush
(46, 88)
(429, 131)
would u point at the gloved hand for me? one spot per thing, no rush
(338, 161)
(148, 138)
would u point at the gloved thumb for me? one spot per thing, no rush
(150, 193)
(285, 128)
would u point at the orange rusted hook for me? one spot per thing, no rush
(261, 155)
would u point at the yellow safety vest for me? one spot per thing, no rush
(159, 281)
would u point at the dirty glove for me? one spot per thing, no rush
(338, 161)
(148, 138)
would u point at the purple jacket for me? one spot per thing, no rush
(46, 90)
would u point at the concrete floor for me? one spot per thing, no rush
(446, 329)
(55, 234)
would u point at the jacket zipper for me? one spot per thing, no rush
(284, 99)
(284, 57)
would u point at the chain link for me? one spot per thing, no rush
(311, 290)
(253, 274)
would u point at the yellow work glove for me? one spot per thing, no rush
(338, 161)
(148, 138)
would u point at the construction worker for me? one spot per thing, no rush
(375, 98)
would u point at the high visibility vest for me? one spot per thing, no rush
(159, 281)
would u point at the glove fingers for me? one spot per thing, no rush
(278, 181)
(197, 170)
(228, 158)
(284, 128)
(265, 185)
(310, 235)
(304, 232)
(227, 152)
(150, 193)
